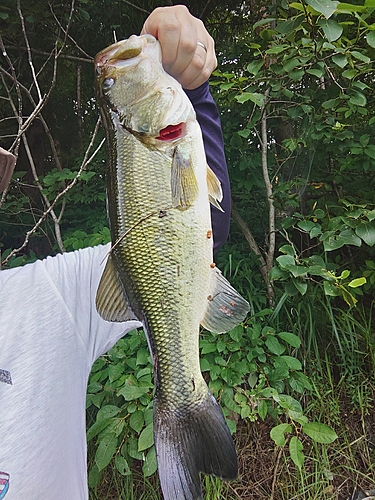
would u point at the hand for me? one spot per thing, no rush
(182, 56)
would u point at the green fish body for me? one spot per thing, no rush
(160, 269)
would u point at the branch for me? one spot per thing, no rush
(61, 56)
(267, 182)
(86, 161)
(28, 50)
(255, 248)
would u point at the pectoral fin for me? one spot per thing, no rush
(215, 193)
(111, 302)
(226, 308)
(184, 183)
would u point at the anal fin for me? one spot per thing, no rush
(111, 301)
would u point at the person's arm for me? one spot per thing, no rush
(209, 121)
(188, 54)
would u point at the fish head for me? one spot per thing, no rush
(134, 88)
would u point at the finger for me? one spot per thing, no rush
(170, 25)
(179, 33)
(187, 45)
(201, 66)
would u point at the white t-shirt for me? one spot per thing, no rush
(50, 336)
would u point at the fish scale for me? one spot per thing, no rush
(155, 243)
(160, 268)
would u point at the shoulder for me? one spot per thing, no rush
(73, 264)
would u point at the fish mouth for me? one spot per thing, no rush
(122, 53)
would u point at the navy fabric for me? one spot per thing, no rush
(209, 121)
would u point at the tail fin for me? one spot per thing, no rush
(190, 440)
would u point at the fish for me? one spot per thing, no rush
(160, 268)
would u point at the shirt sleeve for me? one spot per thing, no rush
(209, 121)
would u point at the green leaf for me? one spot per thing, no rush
(349, 7)
(290, 338)
(97, 427)
(345, 274)
(296, 453)
(226, 86)
(287, 402)
(357, 98)
(150, 465)
(131, 392)
(349, 73)
(319, 213)
(244, 133)
(293, 363)
(299, 382)
(331, 29)
(337, 241)
(340, 60)
(205, 365)
(277, 433)
(366, 231)
(207, 347)
(274, 345)
(137, 420)
(122, 465)
(370, 151)
(4, 15)
(237, 333)
(330, 104)
(316, 231)
(370, 38)
(105, 451)
(298, 271)
(287, 249)
(107, 411)
(306, 225)
(146, 438)
(290, 25)
(330, 289)
(360, 56)
(84, 14)
(254, 67)
(262, 408)
(254, 97)
(285, 261)
(316, 72)
(325, 7)
(321, 433)
(357, 282)
(301, 286)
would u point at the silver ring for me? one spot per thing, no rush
(201, 44)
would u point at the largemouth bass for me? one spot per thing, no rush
(160, 269)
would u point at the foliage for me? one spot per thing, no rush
(311, 65)
(251, 370)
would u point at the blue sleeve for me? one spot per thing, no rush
(209, 121)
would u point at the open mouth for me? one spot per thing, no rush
(172, 132)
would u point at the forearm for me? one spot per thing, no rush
(209, 121)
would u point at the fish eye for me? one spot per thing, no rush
(107, 83)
